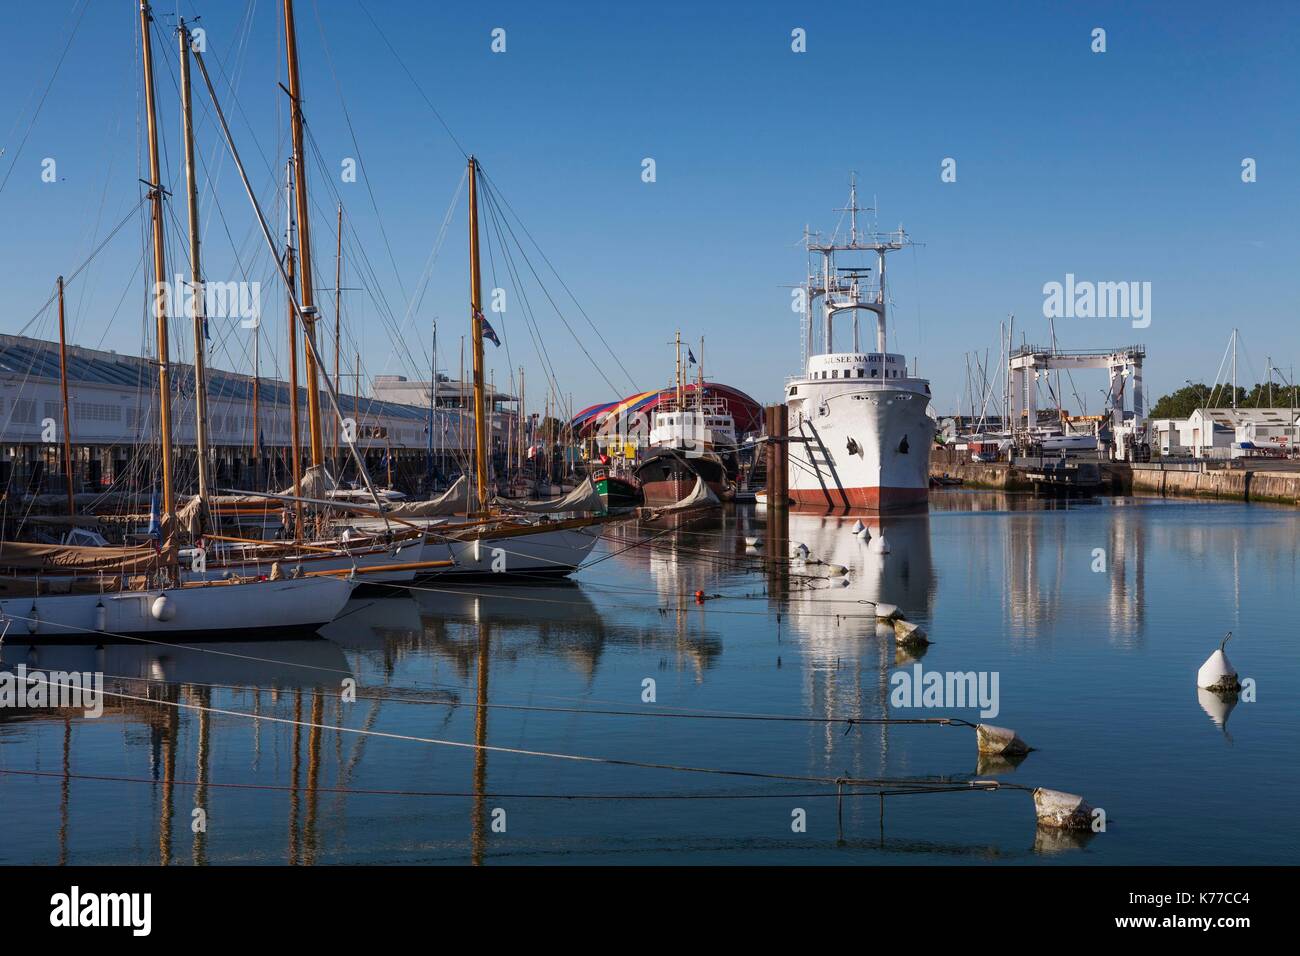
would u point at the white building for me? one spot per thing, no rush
(1227, 432)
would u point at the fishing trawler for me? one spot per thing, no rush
(692, 442)
(860, 430)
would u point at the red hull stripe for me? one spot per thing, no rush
(861, 497)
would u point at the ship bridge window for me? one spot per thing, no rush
(875, 372)
(794, 389)
(861, 371)
(835, 373)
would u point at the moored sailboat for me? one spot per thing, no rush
(139, 592)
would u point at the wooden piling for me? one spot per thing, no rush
(777, 421)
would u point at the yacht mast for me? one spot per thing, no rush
(307, 292)
(476, 334)
(338, 329)
(199, 307)
(67, 428)
(291, 282)
(160, 277)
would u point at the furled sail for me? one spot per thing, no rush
(455, 500)
(23, 556)
(701, 494)
(584, 498)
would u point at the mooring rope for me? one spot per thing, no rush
(493, 795)
(903, 784)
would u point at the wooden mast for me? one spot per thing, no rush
(338, 328)
(476, 334)
(257, 376)
(306, 290)
(295, 441)
(67, 428)
(160, 277)
(198, 298)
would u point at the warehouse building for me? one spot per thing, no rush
(113, 422)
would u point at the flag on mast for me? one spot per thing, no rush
(489, 333)
(155, 525)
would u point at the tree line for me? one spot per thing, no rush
(1184, 401)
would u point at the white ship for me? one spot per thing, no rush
(860, 430)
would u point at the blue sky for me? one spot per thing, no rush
(1124, 165)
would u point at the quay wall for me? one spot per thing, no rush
(998, 475)
(1277, 487)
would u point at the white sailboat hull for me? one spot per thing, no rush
(245, 611)
(533, 554)
(404, 553)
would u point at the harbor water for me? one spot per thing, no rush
(1090, 618)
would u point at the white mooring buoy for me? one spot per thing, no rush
(752, 542)
(878, 545)
(1063, 811)
(858, 526)
(887, 612)
(1217, 673)
(799, 550)
(1002, 741)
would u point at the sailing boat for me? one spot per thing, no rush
(135, 592)
(488, 540)
(383, 558)
(491, 542)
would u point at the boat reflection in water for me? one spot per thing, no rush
(848, 656)
(169, 691)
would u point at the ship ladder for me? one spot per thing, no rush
(819, 456)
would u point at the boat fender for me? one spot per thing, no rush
(33, 620)
(163, 609)
(1217, 673)
(101, 616)
(1001, 741)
